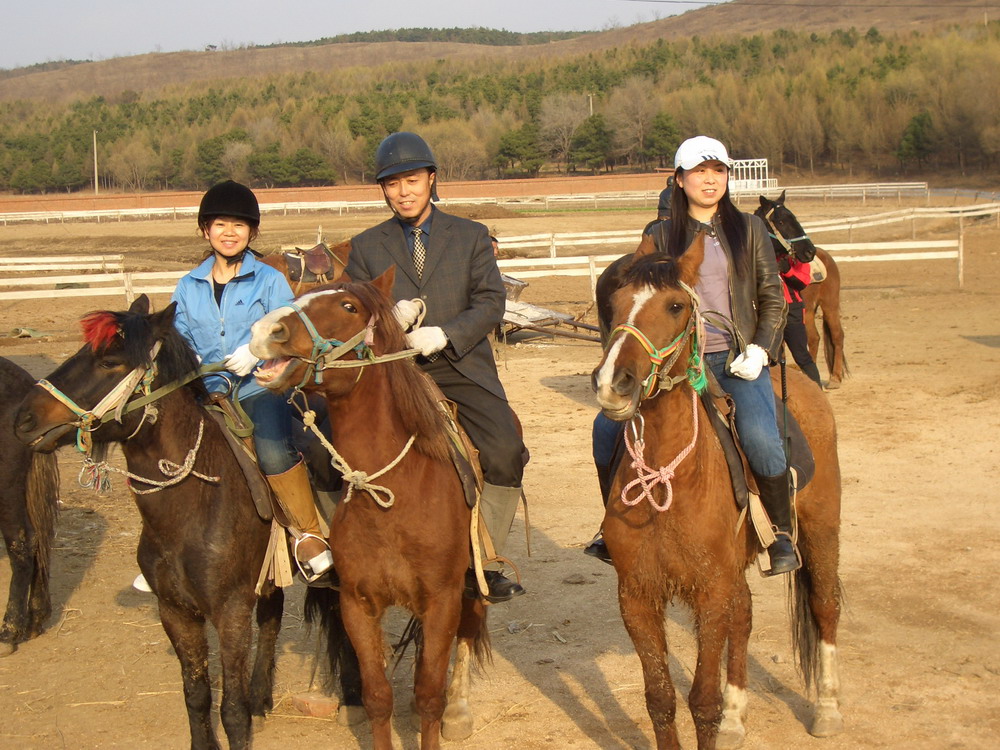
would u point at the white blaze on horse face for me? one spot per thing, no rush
(606, 374)
(260, 339)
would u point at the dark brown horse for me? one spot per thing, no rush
(202, 542)
(401, 535)
(788, 237)
(308, 269)
(672, 524)
(28, 505)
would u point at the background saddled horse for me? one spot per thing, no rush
(202, 541)
(401, 535)
(788, 237)
(309, 268)
(672, 525)
(29, 497)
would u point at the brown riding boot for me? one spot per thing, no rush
(295, 496)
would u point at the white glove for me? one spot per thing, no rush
(241, 362)
(407, 311)
(749, 364)
(429, 340)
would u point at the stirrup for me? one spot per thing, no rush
(795, 550)
(315, 566)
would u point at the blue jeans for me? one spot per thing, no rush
(755, 416)
(271, 415)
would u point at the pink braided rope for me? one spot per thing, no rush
(646, 477)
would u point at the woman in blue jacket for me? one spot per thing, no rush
(217, 303)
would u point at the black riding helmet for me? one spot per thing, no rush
(229, 198)
(402, 152)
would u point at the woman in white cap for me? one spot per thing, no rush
(738, 277)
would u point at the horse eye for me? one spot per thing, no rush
(676, 309)
(349, 307)
(107, 363)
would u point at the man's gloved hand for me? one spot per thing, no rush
(241, 362)
(407, 311)
(428, 339)
(749, 364)
(784, 263)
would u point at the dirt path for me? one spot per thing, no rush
(917, 424)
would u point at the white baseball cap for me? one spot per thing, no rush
(701, 148)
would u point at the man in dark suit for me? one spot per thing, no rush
(448, 263)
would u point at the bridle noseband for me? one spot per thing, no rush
(326, 352)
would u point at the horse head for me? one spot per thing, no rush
(652, 322)
(124, 354)
(786, 232)
(320, 341)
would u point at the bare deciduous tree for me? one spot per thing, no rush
(561, 115)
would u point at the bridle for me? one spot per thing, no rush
(662, 360)
(787, 243)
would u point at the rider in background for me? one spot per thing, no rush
(796, 276)
(738, 278)
(448, 262)
(217, 303)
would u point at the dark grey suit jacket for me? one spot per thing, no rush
(461, 286)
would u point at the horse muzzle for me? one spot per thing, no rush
(618, 396)
(41, 438)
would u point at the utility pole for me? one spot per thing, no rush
(590, 98)
(95, 162)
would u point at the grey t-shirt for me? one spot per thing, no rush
(713, 288)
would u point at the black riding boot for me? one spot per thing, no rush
(775, 496)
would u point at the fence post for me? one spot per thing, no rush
(961, 261)
(593, 278)
(552, 246)
(129, 292)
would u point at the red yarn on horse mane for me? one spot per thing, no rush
(99, 329)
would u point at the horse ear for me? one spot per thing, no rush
(690, 261)
(384, 282)
(646, 246)
(140, 306)
(764, 202)
(781, 198)
(165, 317)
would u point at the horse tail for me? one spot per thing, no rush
(472, 625)
(322, 606)
(805, 629)
(42, 500)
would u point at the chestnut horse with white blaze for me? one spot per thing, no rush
(401, 535)
(672, 525)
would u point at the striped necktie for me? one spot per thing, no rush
(419, 251)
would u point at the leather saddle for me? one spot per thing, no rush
(317, 265)
(238, 430)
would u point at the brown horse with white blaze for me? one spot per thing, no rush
(672, 524)
(401, 534)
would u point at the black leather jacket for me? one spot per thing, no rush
(758, 303)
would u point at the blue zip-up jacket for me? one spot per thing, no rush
(215, 331)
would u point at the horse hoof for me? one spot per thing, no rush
(6, 649)
(456, 724)
(827, 724)
(832, 385)
(731, 736)
(348, 716)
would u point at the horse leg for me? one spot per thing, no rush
(269, 609)
(833, 344)
(440, 623)
(235, 641)
(365, 631)
(17, 620)
(734, 698)
(457, 721)
(816, 610)
(187, 636)
(812, 334)
(712, 617)
(643, 617)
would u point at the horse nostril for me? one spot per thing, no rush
(623, 383)
(25, 422)
(279, 333)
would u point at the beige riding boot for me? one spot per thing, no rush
(295, 496)
(497, 506)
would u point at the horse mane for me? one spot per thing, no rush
(658, 270)
(415, 401)
(133, 335)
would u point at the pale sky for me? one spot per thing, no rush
(36, 31)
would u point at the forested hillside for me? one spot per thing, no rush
(885, 103)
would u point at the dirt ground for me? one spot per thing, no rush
(920, 663)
